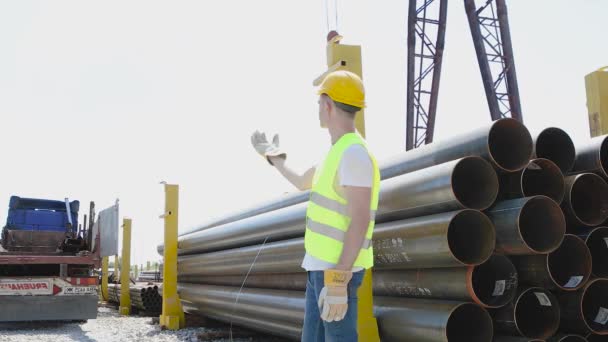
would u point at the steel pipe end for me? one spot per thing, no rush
(510, 145)
(586, 199)
(474, 183)
(493, 283)
(597, 242)
(569, 265)
(594, 306)
(543, 177)
(537, 313)
(541, 224)
(568, 338)
(469, 322)
(471, 237)
(596, 338)
(556, 145)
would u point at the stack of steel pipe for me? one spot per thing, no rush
(143, 297)
(470, 244)
(150, 276)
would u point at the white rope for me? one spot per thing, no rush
(236, 301)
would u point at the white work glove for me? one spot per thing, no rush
(265, 148)
(333, 300)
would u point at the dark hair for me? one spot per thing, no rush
(352, 110)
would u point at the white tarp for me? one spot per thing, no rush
(107, 223)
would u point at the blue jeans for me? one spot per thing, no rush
(317, 330)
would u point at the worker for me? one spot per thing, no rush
(340, 214)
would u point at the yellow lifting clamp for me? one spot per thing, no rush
(172, 317)
(596, 84)
(125, 279)
(348, 57)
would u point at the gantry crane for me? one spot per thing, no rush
(489, 26)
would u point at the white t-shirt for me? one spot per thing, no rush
(356, 169)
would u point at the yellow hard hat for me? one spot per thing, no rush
(344, 87)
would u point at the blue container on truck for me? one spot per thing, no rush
(38, 224)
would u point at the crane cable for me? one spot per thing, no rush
(327, 10)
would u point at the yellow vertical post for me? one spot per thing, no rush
(104, 279)
(125, 297)
(172, 316)
(596, 85)
(348, 57)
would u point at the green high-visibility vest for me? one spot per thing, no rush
(327, 218)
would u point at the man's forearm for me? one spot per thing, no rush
(353, 240)
(299, 181)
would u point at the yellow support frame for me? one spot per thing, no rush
(172, 317)
(105, 296)
(348, 57)
(125, 293)
(596, 84)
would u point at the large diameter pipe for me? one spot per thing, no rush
(283, 201)
(505, 143)
(567, 338)
(399, 319)
(274, 327)
(502, 338)
(556, 145)
(531, 225)
(423, 320)
(540, 177)
(592, 156)
(567, 268)
(597, 242)
(597, 338)
(261, 303)
(491, 284)
(533, 314)
(465, 183)
(452, 239)
(586, 200)
(469, 182)
(586, 310)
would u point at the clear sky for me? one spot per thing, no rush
(102, 100)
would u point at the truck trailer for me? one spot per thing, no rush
(47, 262)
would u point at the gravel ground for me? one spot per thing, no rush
(108, 327)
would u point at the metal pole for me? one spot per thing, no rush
(125, 280)
(411, 65)
(172, 316)
(509, 60)
(482, 59)
(104, 278)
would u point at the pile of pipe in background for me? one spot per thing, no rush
(145, 298)
(494, 235)
(150, 276)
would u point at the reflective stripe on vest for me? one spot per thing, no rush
(327, 217)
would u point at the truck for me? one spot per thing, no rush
(47, 259)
